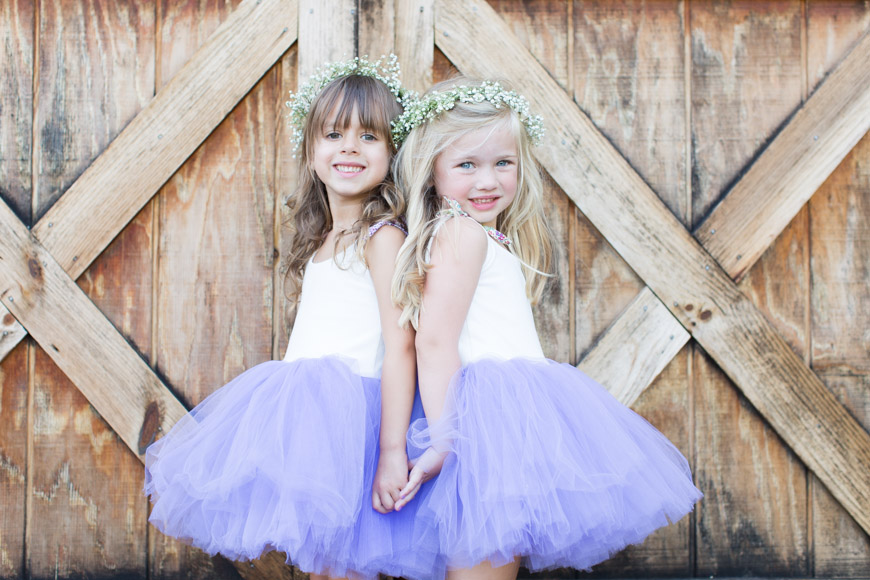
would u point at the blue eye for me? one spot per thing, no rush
(369, 137)
(504, 163)
(466, 165)
(332, 135)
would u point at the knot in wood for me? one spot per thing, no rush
(35, 269)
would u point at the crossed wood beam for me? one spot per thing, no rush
(691, 289)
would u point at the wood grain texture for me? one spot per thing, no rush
(414, 42)
(327, 33)
(16, 117)
(16, 106)
(119, 183)
(626, 366)
(164, 134)
(376, 25)
(87, 511)
(95, 72)
(39, 292)
(638, 225)
(87, 514)
(841, 548)
(803, 155)
(746, 81)
(840, 243)
(13, 461)
(16, 131)
(629, 78)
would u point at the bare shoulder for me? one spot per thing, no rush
(461, 238)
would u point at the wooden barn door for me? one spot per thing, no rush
(708, 180)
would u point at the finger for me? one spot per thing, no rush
(404, 500)
(377, 505)
(414, 480)
(387, 501)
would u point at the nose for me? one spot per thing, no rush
(486, 179)
(349, 143)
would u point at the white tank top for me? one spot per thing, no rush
(499, 324)
(338, 315)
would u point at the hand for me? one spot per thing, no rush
(423, 469)
(390, 478)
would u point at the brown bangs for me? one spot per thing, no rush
(373, 101)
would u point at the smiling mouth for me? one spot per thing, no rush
(483, 200)
(349, 168)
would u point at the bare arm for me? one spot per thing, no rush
(398, 378)
(457, 256)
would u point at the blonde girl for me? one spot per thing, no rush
(533, 462)
(307, 455)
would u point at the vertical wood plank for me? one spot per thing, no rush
(377, 27)
(841, 547)
(16, 118)
(215, 251)
(840, 242)
(543, 27)
(96, 69)
(13, 460)
(746, 81)
(415, 42)
(629, 77)
(87, 512)
(327, 33)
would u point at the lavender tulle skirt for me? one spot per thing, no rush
(283, 458)
(545, 464)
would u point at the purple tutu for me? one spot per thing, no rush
(283, 458)
(545, 464)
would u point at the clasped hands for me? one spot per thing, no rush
(398, 479)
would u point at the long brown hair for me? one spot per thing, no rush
(310, 219)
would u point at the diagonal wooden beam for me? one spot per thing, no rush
(110, 193)
(691, 284)
(749, 218)
(81, 340)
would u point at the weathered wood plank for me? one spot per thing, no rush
(841, 548)
(16, 131)
(742, 227)
(13, 460)
(119, 182)
(609, 340)
(166, 132)
(327, 33)
(840, 245)
(629, 77)
(87, 512)
(705, 300)
(414, 42)
(626, 369)
(126, 393)
(746, 79)
(376, 24)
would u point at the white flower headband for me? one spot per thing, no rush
(429, 106)
(300, 102)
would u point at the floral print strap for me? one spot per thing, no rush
(456, 209)
(378, 225)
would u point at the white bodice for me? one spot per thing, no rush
(499, 323)
(338, 315)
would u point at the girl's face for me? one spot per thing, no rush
(479, 170)
(350, 162)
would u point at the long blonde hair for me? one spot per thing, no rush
(310, 219)
(523, 220)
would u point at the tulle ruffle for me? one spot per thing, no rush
(283, 457)
(545, 464)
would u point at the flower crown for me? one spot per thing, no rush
(300, 102)
(430, 105)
